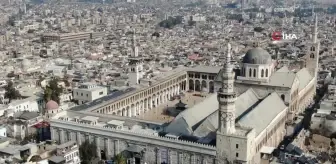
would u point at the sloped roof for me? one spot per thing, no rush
(304, 78)
(184, 122)
(256, 114)
(188, 121)
(262, 115)
(283, 69)
(282, 79)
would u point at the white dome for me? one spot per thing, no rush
(25, 63)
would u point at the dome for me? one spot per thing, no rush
(25, 63)
(51, 105)
(257, 56)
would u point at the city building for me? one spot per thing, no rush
(236, 127)
(88, 92)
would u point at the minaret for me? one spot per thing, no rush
(315, 30)
(226, 98)
(135, 47)
(312, 56)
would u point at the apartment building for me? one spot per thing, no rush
(88, 92)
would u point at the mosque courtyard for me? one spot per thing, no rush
(159, 114)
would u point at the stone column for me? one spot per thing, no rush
(90, 138)
(204, 161)
(139, 108)
(180, 158)
(98, 146)
(187, 85)
(144, 106)
(178, 89)
(116, 147)
(61, 136)
(107, 148)
(143, 159)
(192, 159)
(71, 138)
(53, 135)
(133, 161)
(158, 156)
(79, 138)
(129, 111)
(170, 157)
(149, 102)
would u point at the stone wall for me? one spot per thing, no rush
(156, 149)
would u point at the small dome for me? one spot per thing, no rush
(257, 56)
(51, 105)
(25, 63)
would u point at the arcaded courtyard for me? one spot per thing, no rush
(158, 114)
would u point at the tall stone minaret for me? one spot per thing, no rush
(135, 46)
(312, 56)
(226, 113)
(315, 30)
(226, 98)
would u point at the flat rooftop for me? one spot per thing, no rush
(108, 98)
(110, 121)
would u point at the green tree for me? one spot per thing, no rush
(53, 91)
(120, 159)
(11, 92)
(87, 151)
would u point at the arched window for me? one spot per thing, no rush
(312, 56)
(312, 48)
(254, 73)
(266, 73)
(283, 97)
(262, 73)
(250, 72)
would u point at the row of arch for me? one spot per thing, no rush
(154, 88)
(201, 86)
(107, 146)
(147, 103)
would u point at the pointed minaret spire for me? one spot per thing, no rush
(134, 38)
(135, 47)
(226, 98)
(315, 30)
(227, 64)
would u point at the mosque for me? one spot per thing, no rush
(243, 121)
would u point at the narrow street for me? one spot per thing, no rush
(320, 92)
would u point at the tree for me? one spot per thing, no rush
(87, 151)
(52, 91)
(332, 144)
(11, 92)
(258, 29)
(11, 74)
(120, 159)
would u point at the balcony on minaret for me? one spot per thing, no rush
(226, 97)
(134, 60)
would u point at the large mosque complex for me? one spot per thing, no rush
(244, 119)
